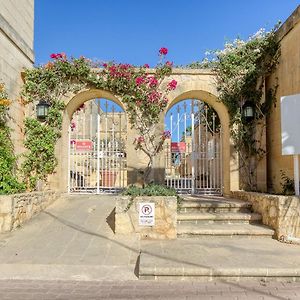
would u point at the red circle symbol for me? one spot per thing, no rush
(146, 209)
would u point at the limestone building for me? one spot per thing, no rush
(16, 53)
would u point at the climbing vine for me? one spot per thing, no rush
(241, 69)
(142, 91)
(9, 182)
(40, 140)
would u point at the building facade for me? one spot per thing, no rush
(16, 53)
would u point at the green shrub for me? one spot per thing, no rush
(151, 190)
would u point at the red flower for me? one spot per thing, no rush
(169, 63)
(163, 51)
(104, 65)
(146, 66)
(139, 80)
(59, 56)
(153, 82)
(172, 85)
(154, 96)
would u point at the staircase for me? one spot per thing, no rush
(204, 216)
(229, 243)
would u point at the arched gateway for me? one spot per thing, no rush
(193, 163)
(219, 174)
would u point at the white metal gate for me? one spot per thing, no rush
(97, 152)
(193, 162)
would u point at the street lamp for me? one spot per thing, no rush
(248, 111)
(42, 109)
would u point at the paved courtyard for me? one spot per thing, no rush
(72, 239)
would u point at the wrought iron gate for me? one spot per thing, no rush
(97, 152)
(193, 152)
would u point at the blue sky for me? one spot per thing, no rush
(132, 31)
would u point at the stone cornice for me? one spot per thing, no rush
(289, 24)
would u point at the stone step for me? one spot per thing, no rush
(230, 230)
(223, 218)
(214, 206)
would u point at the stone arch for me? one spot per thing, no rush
(60, 181)
(207, 93)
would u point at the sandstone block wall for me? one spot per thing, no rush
(127, 217)
(287, 77)
(19, 208)
(282, 213)
(16, 53)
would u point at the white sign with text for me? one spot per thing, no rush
(147, 214)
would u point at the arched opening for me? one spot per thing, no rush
(97, 148)
(206, 91)
(193, 152)
(92, 182)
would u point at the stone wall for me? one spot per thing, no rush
(282, 213)
(287, 77)
(127, 217)
(16, 53)
(18, 208)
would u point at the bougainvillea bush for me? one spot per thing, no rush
(8, 180)
(241, 69)
(142, 91)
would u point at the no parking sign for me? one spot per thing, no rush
(147, 214)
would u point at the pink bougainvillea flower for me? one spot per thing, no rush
(59, 55)
(172, 85)
(169, 63)
(146, 66)
(154, 96)
(163, 51)
(153, 82)
(139, 80)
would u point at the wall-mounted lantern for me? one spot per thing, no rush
(248, 111)
(42, 109)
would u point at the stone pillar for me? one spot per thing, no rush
(137, 161)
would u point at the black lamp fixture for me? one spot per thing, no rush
(42, 109)
(248, 111)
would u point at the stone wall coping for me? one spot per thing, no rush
(265, 195)
(28, 194)
(289, 24)
(179, 71)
